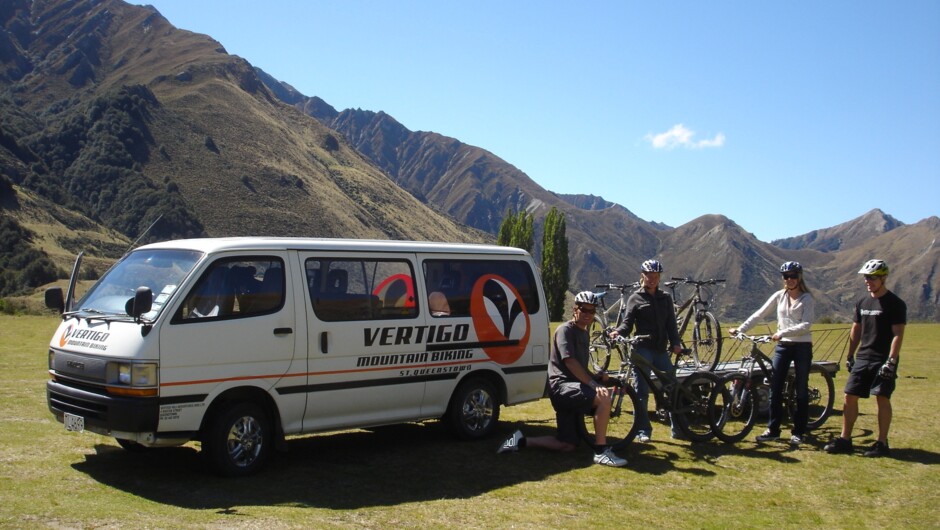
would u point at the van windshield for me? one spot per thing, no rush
(160, 270)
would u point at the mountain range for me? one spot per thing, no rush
(112, 118)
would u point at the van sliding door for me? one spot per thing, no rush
(364, 339)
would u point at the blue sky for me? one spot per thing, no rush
(786, 117)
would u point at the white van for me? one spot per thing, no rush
(237, 342)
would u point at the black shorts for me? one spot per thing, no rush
(571, 401)
(864, 380)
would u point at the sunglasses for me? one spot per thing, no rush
(870, 277)
(588, 311)
(791, 276)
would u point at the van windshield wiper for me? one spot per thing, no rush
(95, 314)
(76, 312)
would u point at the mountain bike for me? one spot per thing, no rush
(742, 394)
(699, 329)
(687, 401)
(603, 348)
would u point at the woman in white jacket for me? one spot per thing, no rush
(795, 315)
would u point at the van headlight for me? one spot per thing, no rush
(132, 379)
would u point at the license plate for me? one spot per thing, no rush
(74, 423)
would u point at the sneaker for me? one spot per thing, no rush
(839, 445)
(768, 436)
(796, 440)
(878, 449)
(643, 438)
(608, 458)
(511, 445)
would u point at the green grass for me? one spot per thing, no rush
(415, 475)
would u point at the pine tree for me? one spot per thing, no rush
(555, 263)
(517, 230)
(505, 229)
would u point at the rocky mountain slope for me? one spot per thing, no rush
(204, 128)
(845, 235)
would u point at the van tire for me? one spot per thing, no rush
(237, 441)
(474, 410)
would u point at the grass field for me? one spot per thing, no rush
(415, 475)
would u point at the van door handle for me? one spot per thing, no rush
(283, 331)
(323, 343)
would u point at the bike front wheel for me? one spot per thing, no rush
(733, 408)
(821, 396)
(601, 349)
(693, 402)
(621, 428)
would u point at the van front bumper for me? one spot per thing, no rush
(104, 414)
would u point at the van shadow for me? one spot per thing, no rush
(382, 467)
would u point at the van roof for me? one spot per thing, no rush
(221, 244)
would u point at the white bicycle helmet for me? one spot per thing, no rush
(651, 265)
(874, 267)
(791, 266)
(586, 297)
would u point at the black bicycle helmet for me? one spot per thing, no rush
(651, 265)
(791, 266)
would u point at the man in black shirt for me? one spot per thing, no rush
(574, 390)
(876, 336)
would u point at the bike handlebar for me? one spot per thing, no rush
(622, 287)
(756, 339)
(711, 281)
(633, 339)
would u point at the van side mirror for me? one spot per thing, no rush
(55, 299)
(141, 303)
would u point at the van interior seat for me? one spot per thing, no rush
(334, 303)
(270, 294)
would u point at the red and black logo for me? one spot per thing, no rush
(499, 318)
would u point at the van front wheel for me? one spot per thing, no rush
(237, 441)
(474, 410)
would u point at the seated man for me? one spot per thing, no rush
(574, 390)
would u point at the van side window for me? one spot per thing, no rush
(450, 282)
(235, 288)
(361, 289)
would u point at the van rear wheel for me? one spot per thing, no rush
(474, 410)
(237, 442)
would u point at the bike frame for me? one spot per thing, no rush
(755, 357)
(665, 387)
(625, 291)
(694, 305)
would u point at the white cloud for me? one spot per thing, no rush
(680, 136)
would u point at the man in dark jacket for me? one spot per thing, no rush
(650, 311)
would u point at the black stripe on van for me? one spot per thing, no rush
(176, 400)
(526, 369)
(348, 385)
(469, 345)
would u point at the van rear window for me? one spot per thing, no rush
(361, 289)
(450, 282)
